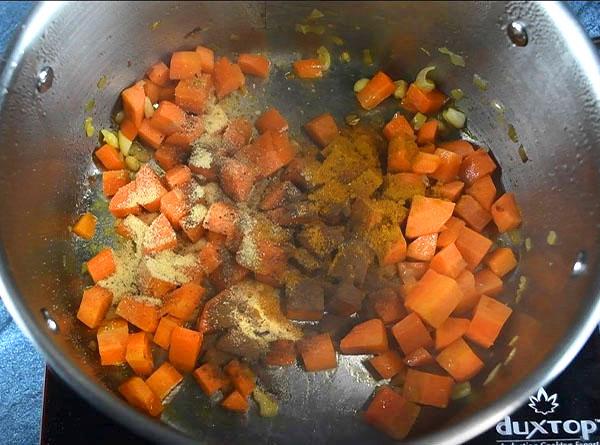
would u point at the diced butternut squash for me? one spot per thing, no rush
(501, 261)
(450, 330)
(488, 319)
(387, 364)
(139, 353)
(369, 337)
(254, 64)
(488, 283)
(450, 233)
(235, 402)
(470, 296)
(228, 77)
(185, 65)
(112, 339)
(159, 236)
(472, 246)
(317, 353)
(422, 248)
(322, 129)
(271, 120)
(459, 360)
(138, 394)
(506, 213)
(398, 126)
(164, 380)
(484, 191)
(427, 216)
(379, 88)
(449, 261)
(102, 265)
(391, 413)
(468, 209)
(427, 389)
(183, 302)
(94, 306)
(411, 334)
(185, 348)
(162, 335)
(281, 353)
(140, 314)
(476, 165)
(209, 378)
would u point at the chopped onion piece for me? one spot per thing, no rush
(352, 120)
(324, 57)
(367, 57)
(337, 40)
(119, 117)
(102, 83)
(480, 82)
(132, 163)
(266, 404)
(124, 143)
(461, 390)
(345, 57)
(454, 117)
(523, 154)
(455, 59)
(418, 120)
(551, 238)
(492, 375)
(528, 244)
(315, 14)
(510, 356)
(422, 82)
(457, 94)
(401, 87)
(513, 340)
(360, 84)
(521, 288)
(512, 133)
(89, 105)
(109, 137)
(148, 108)
(88, 126)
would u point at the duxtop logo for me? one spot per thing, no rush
(548, 430)
(542, 404)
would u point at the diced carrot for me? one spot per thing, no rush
(169, 156)
(308, 68)
(102, 265)
(237, 134)
(139, 395)
(426, 103)
(401, 153)
(427, 215)
(242, 377)
(168, 118)
(422, 248)
(177, 176)
(185, 348)
(506, 213)
(459, 360)
(270, 152)
(434, 297)
(113, 180)
(94, 305)
(112, 339)
(174, 206)
(475, 166)
(449, 261)
(209, 378)
(150, 135)
(395, 252)
(484, 191)
(398, 126)
(209, 258)
(451, 330)
(450, 191)
(391, 413)
(448, 235)
(501, 261)
(473, 246)
(427, 132)
(162, 335)
(237, 179)
(160, 236)
(134, 99)
(142, 315)
(235, 402)
(379, 88)
(411, 271)
(419, 357)
(411, 334)
(449, 165)
(254, 64)
(488, 319)
(427, 148)
(85, 227)
(317, 353)
(427, 389)
(387, 364)
(152, 91)
(369, 337)
(159, 74)
(192, 227)
(488, 283)
(228, 77)
(128, 128)
(281, 353)
(322, 129)
(182, 302)
(389, 307)
(185, 65)
(472, 213)
(192, 130)
(139, 354)
(110, 157)
(207, 58)
(470, 296)
(460, 147)
(164, 380)
(425, 163)
(192, 94)
(221, 218)
(153, 285)
(151, 188)
(124, 202)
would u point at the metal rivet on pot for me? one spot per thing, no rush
(44, 79)
(517, 33)
(52, 325)
(580, 265)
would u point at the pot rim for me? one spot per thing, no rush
(39, 18)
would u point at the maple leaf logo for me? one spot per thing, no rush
(541, 403)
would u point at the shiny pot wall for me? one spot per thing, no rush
(549, 89)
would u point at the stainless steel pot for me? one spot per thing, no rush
(547, 78)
